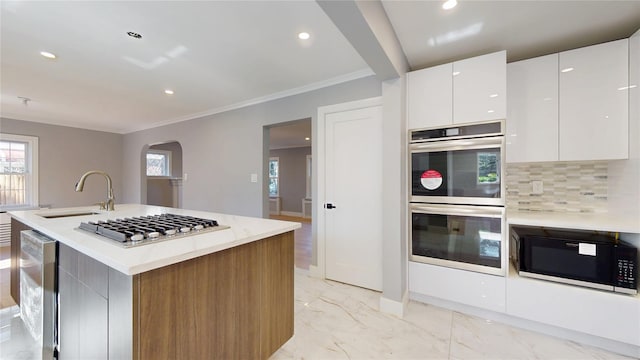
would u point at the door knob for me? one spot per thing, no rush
(329, 206)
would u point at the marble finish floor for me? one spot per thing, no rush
(338, 321)
(15, 341)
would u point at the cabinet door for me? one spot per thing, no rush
(429, 97)
(83, 312)
(594, 117)
(532, 128)
(480, 88)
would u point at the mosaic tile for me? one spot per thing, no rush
(579, 187)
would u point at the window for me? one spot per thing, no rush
(274, 187)
(158, 163)
(488, 168)
(18, 171)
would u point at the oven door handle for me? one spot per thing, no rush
(461, 144)
(476, 211)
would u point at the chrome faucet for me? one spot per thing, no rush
(110, 200)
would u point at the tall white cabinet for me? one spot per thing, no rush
(532, 129)
(594, 102)
(464, 91)
(480, 88)
(570, 106)
(430, 97)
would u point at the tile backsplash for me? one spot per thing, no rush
(567, 186)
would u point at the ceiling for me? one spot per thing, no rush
(220, 55)
(214, 55)
(290, 135)
(430, 35)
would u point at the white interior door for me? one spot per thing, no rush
(353, 187)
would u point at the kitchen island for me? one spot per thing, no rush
(221, 294)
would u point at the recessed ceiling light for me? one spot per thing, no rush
(493, 95)
(304, 36)
(168, 92)
(449, 4)
(567, 69)
(48, 55)
(134, 34)
(456, 73)
(307, 138)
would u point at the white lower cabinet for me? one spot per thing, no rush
(594, 312)
(599, 313)
(461, 286)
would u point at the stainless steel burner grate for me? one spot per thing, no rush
(143, 230)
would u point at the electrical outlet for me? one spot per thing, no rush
(537, 187)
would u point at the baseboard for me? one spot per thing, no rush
(394, 307)
(291, 213)
(550, 330)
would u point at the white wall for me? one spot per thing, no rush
(221, 151)
(394, 166)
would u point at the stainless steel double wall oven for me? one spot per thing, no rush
(457, 197)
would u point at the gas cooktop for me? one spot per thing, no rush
(151, 229)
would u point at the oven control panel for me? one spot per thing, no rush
(626, 274)
(626, 271)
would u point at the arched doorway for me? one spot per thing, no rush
(162, 174)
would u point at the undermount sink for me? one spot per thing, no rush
(54, 215)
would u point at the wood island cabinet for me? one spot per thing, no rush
(232, 304)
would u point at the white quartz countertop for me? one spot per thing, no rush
(143, 258)
(624, 223)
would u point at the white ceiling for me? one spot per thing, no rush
(217, 55)
(213, 54)
(430, 35)
(290, 135)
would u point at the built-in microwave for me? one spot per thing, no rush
(459, 164)
(580, 258)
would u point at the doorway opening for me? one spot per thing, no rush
(288, 177)
(162, 174)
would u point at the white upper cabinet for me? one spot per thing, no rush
(464, 91)
(480, 88)
(429, 97)
(532, 110)
(594, 111)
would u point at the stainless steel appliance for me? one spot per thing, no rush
(578, 258)
(457, 197)
(458, 164)
(463, 237)
(38, 293)
(144, 230)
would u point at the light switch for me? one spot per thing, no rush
(254, 178)
(536, 186)
(185, 177)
